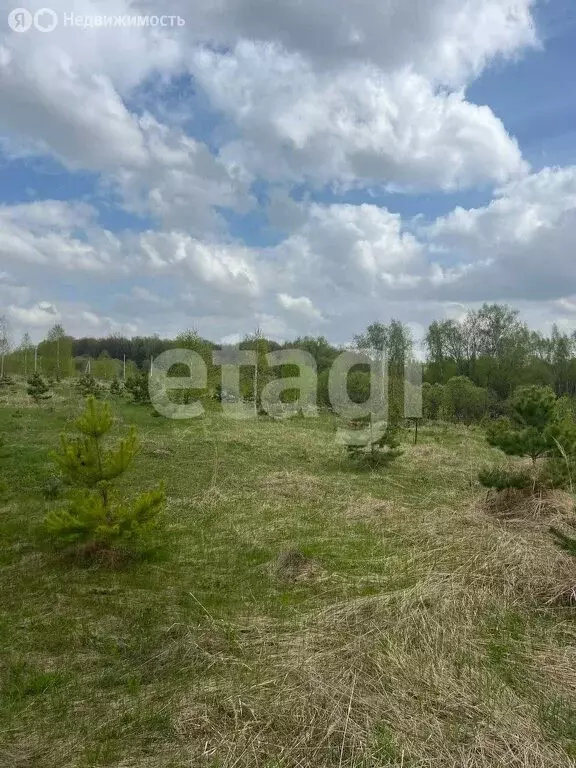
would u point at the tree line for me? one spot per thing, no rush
(472, 366)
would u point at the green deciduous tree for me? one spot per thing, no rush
(321, 350)
(5, 343)
(490, 346)
(463, 401)
(26, 353)
(56, 353)
(432, 400)
(105, 367)
(252, 382)
(394, 343)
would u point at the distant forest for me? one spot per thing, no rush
(488, 353)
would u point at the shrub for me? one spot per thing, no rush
(534, 432)
(38, 389)
(463, 401)
(87, 386)
(527, 433)
(93, 518)
(116, 389)
(500, 479)
(376, 445)
(53, 488)
(432, 399)
(565, 408)
(138, 387)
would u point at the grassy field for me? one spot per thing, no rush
(418, 631)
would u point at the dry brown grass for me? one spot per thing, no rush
(370, 509)
(288, 483)
(293, 566)
(544, 506)
(419, 676)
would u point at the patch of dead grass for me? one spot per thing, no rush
(368, 509)
(525, 505)
(416, 677)
(287, 483)
(293, 566)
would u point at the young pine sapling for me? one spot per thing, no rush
(38, 389)
(94, 518)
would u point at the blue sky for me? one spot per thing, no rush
(244, 170)
(533, 95)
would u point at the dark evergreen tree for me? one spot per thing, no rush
(138, 387)
(87, 386)
(116, 388)
(533, 432)
(377, 444)
(38, 389)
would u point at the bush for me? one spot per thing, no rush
(565, 408)
(432, 399)
(87, 386)
(116, 389)
(377, 444)
(534, 432)
(53, 488)
(92, 518)
(38, 389)
(138, 387)
(463, 401)
(500, 479)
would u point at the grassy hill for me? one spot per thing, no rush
(304, 613)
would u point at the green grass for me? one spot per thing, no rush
(424, 636)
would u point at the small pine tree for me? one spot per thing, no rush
(87, 386)
(93, 518)
(38, 389)
(376, 446)
(138, 387)
(116, 388)
(533, 432)
(565, 408)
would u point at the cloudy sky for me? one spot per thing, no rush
(306, 167)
